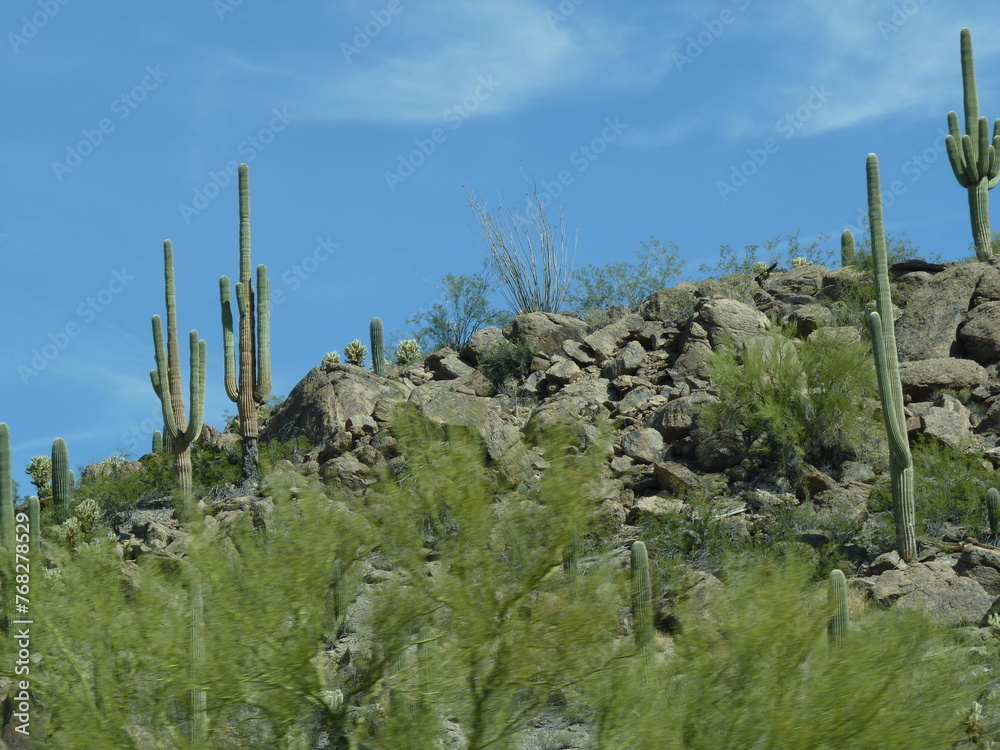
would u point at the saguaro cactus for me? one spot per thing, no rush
(848, 255)
(837, 600)
(180, 431)
(642, 600)
(62, 479)
(992, 506)
(973, 156)
(890, 388)
(251, 388)
(6, 492)
(378, 356)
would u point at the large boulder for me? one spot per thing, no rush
(980, 334)
(928, 328)
(606, 341)
(803, 281)
(440, 403)
(921, 379)
(932, 587)
(543, 333)
(676, 420)
(671, 305)
(585, 402)
(326, 398)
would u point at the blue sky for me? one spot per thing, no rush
(362, 122)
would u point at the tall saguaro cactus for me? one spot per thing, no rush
(973, 156)
(6, 492)
(250, 387)
(837, 602)
(180, 431)
(890, 387)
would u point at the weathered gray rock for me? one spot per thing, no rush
(981, 565)
(922, 378)
(804, 281)
(626, 362)
(579, 353)
(947, 421)
(719, 451)
(728, 321)
(808, 318)
(564, 371)
(928, 328)
(839, 282)
(933, 587)
(644, 445)
(670, 306)
(480, 415)
(674, 476)
(323, 400)
(213, 439)
(480, 341)
(694, 587)
(676, 420)
(980, 334)
(585, 402)
(544, 333)
(446, 365)
(606, 341)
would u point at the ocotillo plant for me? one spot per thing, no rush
(62, 479)
(848, 255)
(890, 388)
(6, 491)
(837, 600)
(251, 387)
(378, 356)
(180, 431)
(992, 505)
(642, 600)
(973, 156)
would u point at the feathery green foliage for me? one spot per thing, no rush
(464, 309)
(625, 283)
(732, 682)
(793, 400)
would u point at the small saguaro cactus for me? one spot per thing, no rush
(890, 387)
(837, 601)
(848, 255)
(62, 479)
(642, 600)
(992, 508)
(973, 156)
(180, 432)
(378, 356)
(157, 441)
(6, 492)
(355, 353)
(249, 385)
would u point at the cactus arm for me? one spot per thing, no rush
(262, 390)
(896, 431)
(159, 378)
(228, 343)
(970, 98)
(197, 387)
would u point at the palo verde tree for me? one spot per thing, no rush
(250, 386)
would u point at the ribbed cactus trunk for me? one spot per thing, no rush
(378, 354)
(837, 601)
(180, 432)
(34, 525)
(199, 698)
(973, 155)
(62, 480)
(642, 601)
(993, 509)
(848, 254)
(249, 385)
(6, 492)
(890, 387)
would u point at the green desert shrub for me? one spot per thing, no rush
(504, 361)
(755, 670)
(794, 400)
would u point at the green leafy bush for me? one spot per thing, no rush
(464, 309)
(596, 288)
(504, 361)
(794, 400)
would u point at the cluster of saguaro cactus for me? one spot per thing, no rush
(378, 354)
(890, 388)
(180, 431)
(973, 156)
(837, 601)
(848, 255)
(250, 385)
(642, 600)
